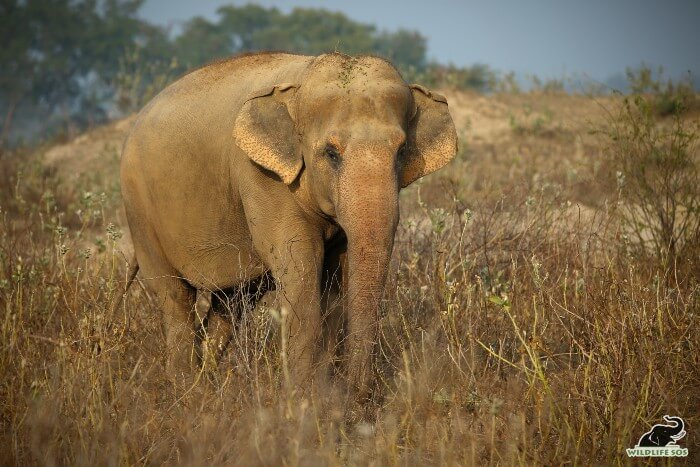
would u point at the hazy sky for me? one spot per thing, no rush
(545, 37)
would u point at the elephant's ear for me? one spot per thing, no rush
(432, 138)
(654, 438)
(266, 131)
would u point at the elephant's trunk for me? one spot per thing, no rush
(679, 425)
(369, 224)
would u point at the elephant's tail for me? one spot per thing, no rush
(132, 270)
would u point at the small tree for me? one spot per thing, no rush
(656, 170)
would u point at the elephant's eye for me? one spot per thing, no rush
(401, 153)
(332, 153)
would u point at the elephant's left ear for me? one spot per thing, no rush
(432, 138)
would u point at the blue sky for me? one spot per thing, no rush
(545, 37)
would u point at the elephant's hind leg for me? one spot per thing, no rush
(175, 296)
(176, 299)
(179, 326)
(217, 332)
(224, 315)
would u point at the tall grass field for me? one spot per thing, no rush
(542, 307)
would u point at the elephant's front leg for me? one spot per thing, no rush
(298, 273)
(301, 311)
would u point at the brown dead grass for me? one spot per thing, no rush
(514, 329)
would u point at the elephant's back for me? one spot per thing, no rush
(200, 108)
(188, 126)
(230, 80)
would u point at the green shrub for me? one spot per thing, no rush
(655, 165)
(666, 97)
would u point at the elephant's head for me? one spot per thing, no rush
(346, 139)
(675, 432)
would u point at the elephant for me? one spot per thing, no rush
(276, 170)
(663, 435)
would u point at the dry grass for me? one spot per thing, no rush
(516, 329)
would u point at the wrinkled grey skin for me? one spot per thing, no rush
(278, 165)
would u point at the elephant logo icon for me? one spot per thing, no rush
(661, 439)
(663, 435)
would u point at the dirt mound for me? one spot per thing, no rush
(94, 151)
